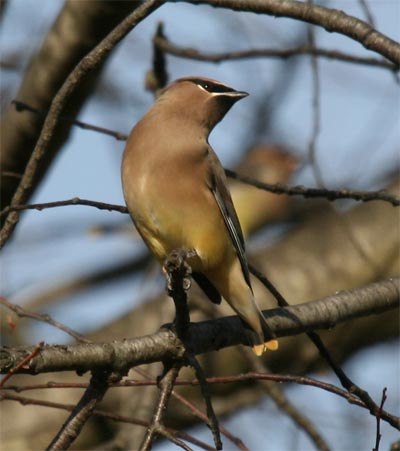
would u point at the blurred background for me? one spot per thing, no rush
(310, 121)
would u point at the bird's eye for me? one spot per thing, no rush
(212, 87)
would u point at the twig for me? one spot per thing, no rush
(21, 364)
(279, 378)
(166, 385)
(250, 376)
(81, 412)
(199, 414)
(189, 53)
(276, 188)
(22, 106)
(316, 109)
(378, 421)
(157, 76)
(64, 203)
(193, 408)
(299, 190)
(22, 313)
(45, 318)
(102, 414)
(275, 392)
(332, 20)
(212, 418)
(367, 12)
(91, 61)
(346, 382)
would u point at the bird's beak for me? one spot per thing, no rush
(236, 94)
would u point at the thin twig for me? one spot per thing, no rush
(346, 382)
(65, 203)
(22, 106)
(189, 53)
(275, 392)
(45, 318)
(157, 76)
(236, 440)
(251, 376)
(367, 11)
(299, 190)
(166, 385)
(199, 414)
(276, 188)
(316, 108)
(378, 421)
(108, 415)
(213, 420)
(21, 364)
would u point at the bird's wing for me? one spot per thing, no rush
(208, 288)
(218, 185)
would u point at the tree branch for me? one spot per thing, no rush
(332, 20)
(299, 190)
(207, 335)
(193, 54)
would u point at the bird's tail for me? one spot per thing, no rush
(265, 341)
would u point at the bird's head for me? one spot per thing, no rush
(200, 99)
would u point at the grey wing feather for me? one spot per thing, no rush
(218, 186)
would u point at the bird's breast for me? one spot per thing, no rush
(173, 208)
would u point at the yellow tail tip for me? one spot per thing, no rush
(271, 345)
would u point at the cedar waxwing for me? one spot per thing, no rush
(176, 192)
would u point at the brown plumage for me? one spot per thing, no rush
(176, 192)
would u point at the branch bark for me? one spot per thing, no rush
(332, 20)
(207, 335)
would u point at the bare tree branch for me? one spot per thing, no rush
(275, 392)
(166, 385)
(22, 313)
(194, 54)
(208, 335)
(167, 433)
(280, 188)
(332, 20)
(22, 106)
(276, 188)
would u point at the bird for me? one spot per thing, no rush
(177, 195)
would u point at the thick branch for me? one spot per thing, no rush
(332, 20)
(208, 335)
